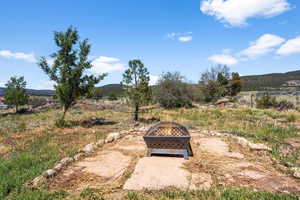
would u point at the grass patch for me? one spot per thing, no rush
(212, 194)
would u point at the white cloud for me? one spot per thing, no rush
(106, 65)
(181, 36)
(185, 38)
(17, 55)
(236, 12)
(291, 46)
(46, 85)
(223, 59)
(265, 44)
(153, 79)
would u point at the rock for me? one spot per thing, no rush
(112, 137)
(77, 156)
(253, 146)
(123, 132)
(106, 164)
(37, 180)
(58, 166)
(296, 174)
(100, 143)
(66, 161)
(222, 101)
(260, 147)
(88, 148)
(49, 173)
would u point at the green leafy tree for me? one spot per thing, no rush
(172, 91)
(235, 84)
(136, 85)
(68, 69)
(15, 94)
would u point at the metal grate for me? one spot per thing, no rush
(168, 138)
(168, 129)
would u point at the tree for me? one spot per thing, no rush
(213, 73)
(235, 84)
(68, 69)
(136, 85)
(217, 82)
(172, 91)
(15, 94)
(95, 93)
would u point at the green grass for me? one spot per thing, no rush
(38, 144)
(25, 165)
(212, 194)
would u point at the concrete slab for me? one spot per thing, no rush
(156, 173)
(107, 164)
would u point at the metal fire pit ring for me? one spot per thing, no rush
(168, 138)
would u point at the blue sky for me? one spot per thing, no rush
(251, 36)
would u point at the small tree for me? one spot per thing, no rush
(95, 93)
(172, 91)
(15, 94)
(68, 69)
(235, 84)
(136, 84)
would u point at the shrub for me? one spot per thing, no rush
(37, 101)
(112, 97)
(172, 91)
(267, 101)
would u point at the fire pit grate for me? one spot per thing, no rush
(168, 138)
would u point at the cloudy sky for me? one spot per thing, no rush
(251, 36)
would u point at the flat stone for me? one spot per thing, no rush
(106, 164)
(213, 145)
(156, 173)
(252, 174)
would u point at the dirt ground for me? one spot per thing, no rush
(123, 165)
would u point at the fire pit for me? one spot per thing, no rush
(168, 138)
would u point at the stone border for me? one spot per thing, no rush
(114, 136)
(87, 149)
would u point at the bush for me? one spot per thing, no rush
(172, 91)
(37, 101)
(267, 101)
(61, 123)
(112, 97)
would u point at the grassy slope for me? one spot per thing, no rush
(35, 144)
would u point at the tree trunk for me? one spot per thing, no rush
(136, 112)
(17, 108)
(64, 113)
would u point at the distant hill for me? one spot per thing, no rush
(275, 80)
(32, 92)
(254, 82)
(107, 90)
(112, 88)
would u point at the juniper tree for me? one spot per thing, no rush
(15, 94)
(136, 84)
(68, 70)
